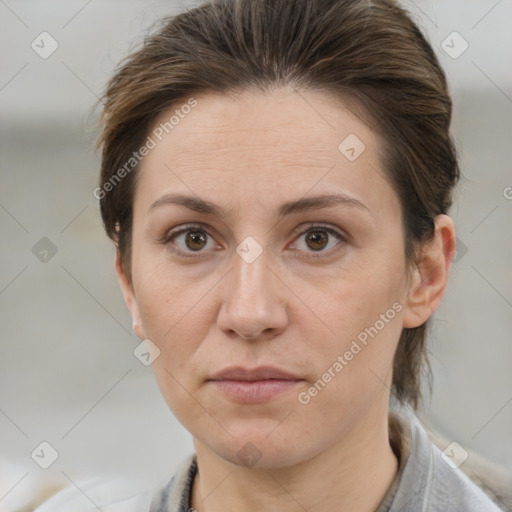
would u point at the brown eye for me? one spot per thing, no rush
(195, 240)
(317, 240)
(190, 241)
(320, 240)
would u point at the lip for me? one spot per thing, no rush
(259, 373)
(257, 385)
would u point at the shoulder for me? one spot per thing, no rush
(432, 480)
(454, 491)
(93, 495)
(122, 495)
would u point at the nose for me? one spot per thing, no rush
(253, 301)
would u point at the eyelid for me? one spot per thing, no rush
(181, 228)
(304, 228)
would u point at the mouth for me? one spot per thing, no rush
(256, 385)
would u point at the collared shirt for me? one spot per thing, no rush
(426, 481)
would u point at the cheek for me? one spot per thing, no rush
(364, 331)
(363, 311)
(354, 369)
(172, 312)
(176, 319)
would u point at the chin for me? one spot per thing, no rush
(260, 444)
(262, 455)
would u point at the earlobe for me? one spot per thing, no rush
(430, 275)
(129, 296)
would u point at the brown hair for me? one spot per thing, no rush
(369, 50)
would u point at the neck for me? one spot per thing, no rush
(351, 475)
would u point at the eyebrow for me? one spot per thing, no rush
(301, 205)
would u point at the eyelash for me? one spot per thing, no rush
(170, 236)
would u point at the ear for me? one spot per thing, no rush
(129, 296)
(430, 275)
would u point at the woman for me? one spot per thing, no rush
(276, 177)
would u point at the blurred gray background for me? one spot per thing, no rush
(68, 375)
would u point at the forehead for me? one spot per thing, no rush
(263, 144)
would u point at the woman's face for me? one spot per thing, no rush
(238, 265)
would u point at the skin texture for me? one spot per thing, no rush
(293, 307)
